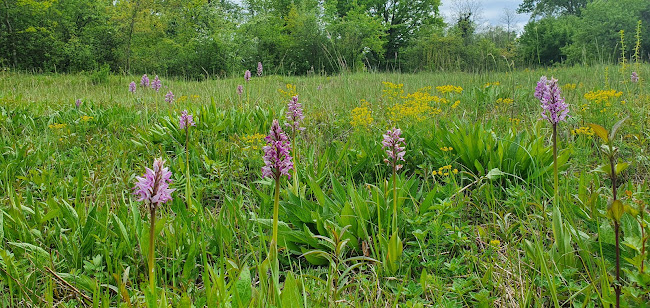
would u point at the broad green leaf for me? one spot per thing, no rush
(600, 132)
(620, 167)
(290, 296)
(494, 173)
(616, 127)
(605, 168)
(243, 286)
(32, 248)
(616, 210)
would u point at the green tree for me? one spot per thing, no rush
(356, 40)
(552, 7)
(26, 33)
(597, 35)
(543, 40)
(401, 18)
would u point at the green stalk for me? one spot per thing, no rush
(556, 183)
(274, 242)
(295, 163)
(617, 227)
(152, 280)
(394, 199)
(188, 193)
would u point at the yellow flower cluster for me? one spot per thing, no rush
(253, 142)
(569, 86)
(185, 97)
(57, 125)
(290, 91)
(602, 95)
(587, 131)
(392, 91)
(445, 171)
(449, 89)
(491, 84)
(503, 103)
(416, 109)
(456, 103)
(362, 116)
(514, 121)
(86, 118)
(446, 149)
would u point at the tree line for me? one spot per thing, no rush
(210, 38)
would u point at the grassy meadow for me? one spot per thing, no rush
(472, 219)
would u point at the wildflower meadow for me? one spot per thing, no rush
(525, 188)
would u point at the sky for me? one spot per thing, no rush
(491, 12)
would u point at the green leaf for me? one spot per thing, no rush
(32, 248)
(604, 169)
(630, 210)
(616, 210)
(620, 167)
(244, 288)
(600, 132)
(616, 127)
(494, 173)
(120, 225)
(290, 296)
(2, 230)
(395, 248)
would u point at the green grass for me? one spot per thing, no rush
(71, 232)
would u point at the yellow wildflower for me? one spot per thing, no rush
(584, 130)
(57, 125)
(362, 116)
(289, 92)
(449, 89)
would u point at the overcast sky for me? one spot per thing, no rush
(491, 12)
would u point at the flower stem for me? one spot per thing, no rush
(394, 200)
(188, 193)
(556, 182)
(152, 280)
(295, 163)
(275, 272)
(617, 227)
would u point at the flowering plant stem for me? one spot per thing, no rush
(394, 200)
(617, 226)
(274, 242)
(295, 162)
(188, 192)
(556, 182)
(152, 280)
